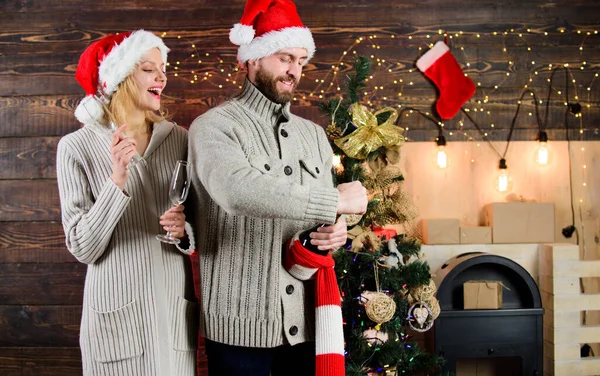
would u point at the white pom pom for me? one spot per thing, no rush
(241, 34)
(89, 110)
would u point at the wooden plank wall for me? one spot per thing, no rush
(502, 46)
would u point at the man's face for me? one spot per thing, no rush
(277, 76)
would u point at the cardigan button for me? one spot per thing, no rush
(317, 170)
(289, 289)
(287, 170)
(267, 167)
(294, 330)
(284, 133)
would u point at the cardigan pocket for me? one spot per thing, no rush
(185, 325)
(313, 166)
(115, 335)
(266, 165)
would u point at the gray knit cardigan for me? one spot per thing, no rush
(261, 174)
(137, 315)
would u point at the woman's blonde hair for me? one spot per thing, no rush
(125, 100)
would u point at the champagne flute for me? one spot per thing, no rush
(178, 191)
(136, 157)
(113, 128)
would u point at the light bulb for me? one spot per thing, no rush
(338, 167)
(503, 182)
(441, 157)
(542, 156)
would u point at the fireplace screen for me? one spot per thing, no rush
(513, 330)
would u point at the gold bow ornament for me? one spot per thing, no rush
(368, 135)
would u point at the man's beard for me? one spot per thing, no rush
(267, 84)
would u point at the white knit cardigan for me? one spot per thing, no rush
(138, 318)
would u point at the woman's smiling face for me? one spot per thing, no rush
(151, 80)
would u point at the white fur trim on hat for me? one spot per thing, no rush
(431, 56)
(274, 41)
(89, 110)
(123, 58)
(241, 34)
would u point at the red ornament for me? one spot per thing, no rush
(381, 232)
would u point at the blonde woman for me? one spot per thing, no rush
(138, 316)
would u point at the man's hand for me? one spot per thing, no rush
(353, 198)
(329, 238)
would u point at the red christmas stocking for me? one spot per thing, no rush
(439, 66)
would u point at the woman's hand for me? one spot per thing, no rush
(122, 150)
(173, 220)
(331, 237)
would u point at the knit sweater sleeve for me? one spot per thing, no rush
(326, 153)
(88, 221)
(225, 171)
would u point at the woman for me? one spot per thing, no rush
(137, 319)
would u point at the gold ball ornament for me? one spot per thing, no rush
(434, 304)
(380, 307)
(424, 292)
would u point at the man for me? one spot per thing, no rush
(261, 175)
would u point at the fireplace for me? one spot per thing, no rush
(514, 331)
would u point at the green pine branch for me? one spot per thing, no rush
(356, 271)
(356, 82)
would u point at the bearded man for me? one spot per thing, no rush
(260, 175)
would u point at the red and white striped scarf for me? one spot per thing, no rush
(304, 265)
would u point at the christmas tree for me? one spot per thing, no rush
(386, 288)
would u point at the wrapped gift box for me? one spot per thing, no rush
(482, 295)
(440, 231)
(476, 235)
(521, 222)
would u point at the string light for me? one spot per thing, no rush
(225, 72)
(542, 154)
(503, 182)
(441, 156)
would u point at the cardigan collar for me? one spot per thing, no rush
(252, 98)
(160, 131)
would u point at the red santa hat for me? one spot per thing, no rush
(268, 26)
(108, 62)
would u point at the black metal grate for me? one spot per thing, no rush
(515, 330)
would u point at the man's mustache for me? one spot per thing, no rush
(288, 78)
